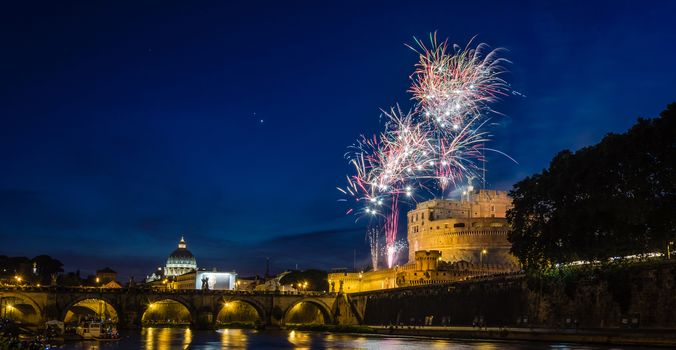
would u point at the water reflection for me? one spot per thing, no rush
(234, 338)
(165, 338)
(183, 338)
(299, 340)
(187, 338)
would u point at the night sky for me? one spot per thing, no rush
(123, 126)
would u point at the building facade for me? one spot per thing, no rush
(205, 280)
(105, 275)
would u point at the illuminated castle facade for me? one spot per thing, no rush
(473, 229)
(449, 240)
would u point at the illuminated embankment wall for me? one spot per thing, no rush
(643, 294)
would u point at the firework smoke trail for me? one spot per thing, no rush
(373, 235)
(391, 228)
(440, 144)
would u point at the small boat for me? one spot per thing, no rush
(97, 330)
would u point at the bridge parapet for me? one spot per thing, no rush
(130, 304)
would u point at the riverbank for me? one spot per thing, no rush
(645, 337)
(332, 328)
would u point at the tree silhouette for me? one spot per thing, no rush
(612, 199)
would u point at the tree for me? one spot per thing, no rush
(46, 266)
(612, 199)
(316, 279)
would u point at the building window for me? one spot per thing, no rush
(459, 224)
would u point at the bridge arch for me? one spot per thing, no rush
(88, 305)
(301, 306)
(21, 308)
(167, 311)
(240, 310)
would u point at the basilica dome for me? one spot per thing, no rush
(180, 261)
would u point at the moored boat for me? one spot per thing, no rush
(97, 330)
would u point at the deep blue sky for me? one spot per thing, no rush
(124, 125)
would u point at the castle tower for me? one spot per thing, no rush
(427, 260)
(473, 229)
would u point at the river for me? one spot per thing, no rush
(175, 338)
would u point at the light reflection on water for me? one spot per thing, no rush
(179, 338)
(234, 338)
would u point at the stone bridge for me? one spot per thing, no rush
(131, 307)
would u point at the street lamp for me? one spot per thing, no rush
(483, 252)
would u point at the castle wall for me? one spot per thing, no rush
(354, 282)
(612, 297)
(472, 229)
(480, 240)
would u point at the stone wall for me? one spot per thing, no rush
(646, 293)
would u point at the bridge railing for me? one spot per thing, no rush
(137, 290)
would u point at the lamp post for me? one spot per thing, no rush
(481, 257)
(669, 244)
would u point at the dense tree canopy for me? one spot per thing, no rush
(22, 266)
(316, 279)
(612, 199)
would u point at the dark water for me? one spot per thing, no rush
(171, 338)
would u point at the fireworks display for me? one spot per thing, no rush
(373, 235)
(438, 145)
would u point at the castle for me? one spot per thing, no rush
(448, 240)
